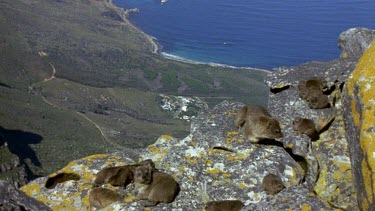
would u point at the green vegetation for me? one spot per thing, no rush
(107, 80)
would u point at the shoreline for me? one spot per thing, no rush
(156, 48)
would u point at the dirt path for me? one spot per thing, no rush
(105, 139)
(45, 79)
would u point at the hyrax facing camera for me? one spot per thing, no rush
(257, 124)
(162, 188)
(272, 184)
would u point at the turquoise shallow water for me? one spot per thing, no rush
(256, 33)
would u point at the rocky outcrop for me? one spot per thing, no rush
(181, 107)
(214, 162)
(11, 169)
(14, 199)
(359, 115)
(355, 41)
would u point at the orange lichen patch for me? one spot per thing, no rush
(85, 200)
(306, 207)
(191, 160)
(167, 137)
(31, 189)
(363, 79)
(355, 114)
(365, 205)
(232, 136)
(322, 183)
(213, 116)
(337, 175)
(280, 85)
(231, 112)
(155, 150)
(130, 199)
(366, 173)
(93, 157)
(226, 175)
(242, 185)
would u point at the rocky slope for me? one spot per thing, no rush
(214, 162)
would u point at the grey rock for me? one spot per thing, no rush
(13, 199)
(292, 198)
(353, 42)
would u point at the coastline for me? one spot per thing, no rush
(124, 13)
(156, 48)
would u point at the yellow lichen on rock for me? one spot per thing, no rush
(361, 84)
(306, 207)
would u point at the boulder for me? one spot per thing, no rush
(359, 114)
(13, 199)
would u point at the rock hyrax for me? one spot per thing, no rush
(149, 163)
(317, 100)
(161, 189)
(304, 87)
(305, 126)
(272, 184)
(256, 123)
(102, 197)
(225, 205)
(312, 91)
(116, 176)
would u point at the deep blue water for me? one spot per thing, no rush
(251, 33)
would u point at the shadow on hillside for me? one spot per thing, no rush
(19, 144)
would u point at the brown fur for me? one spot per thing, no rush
(317, 100)
(304, 87)
(143, 174)
(305, 126)
(312, 91)
(256, 123)
(161, 189)
(116, 176)
(102, 197)
(122, 175)
(149, 163)
(225, 205)
(272, 184)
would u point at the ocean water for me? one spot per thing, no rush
(250, 33)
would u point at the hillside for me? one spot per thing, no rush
(84, 81)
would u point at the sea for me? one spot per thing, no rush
(250, 33)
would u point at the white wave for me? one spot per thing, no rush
(213, 64)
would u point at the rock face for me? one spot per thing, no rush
(14, 199)
(216, 163)
(359, 113)
(11, 169)
(355, 41)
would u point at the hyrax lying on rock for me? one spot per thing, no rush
(272, 184)
(116, 176)
(305, 126)
(312, 91)
(256, 123)
(102, 197)
(160, 188)
(122, 175)
(225, 205)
